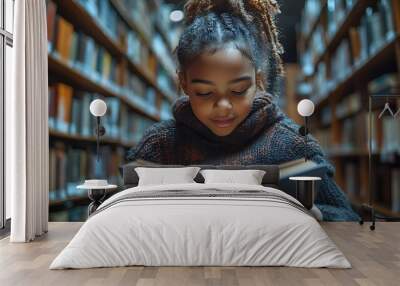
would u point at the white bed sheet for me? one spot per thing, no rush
(200, 231)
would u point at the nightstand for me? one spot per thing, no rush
(305, 190)
(96, 192)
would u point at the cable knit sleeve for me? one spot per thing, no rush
(154, 144)
(330, 199)
(145, 149)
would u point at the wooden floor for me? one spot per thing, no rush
(375, 257)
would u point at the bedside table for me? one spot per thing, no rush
(96, 192)
(305, 190)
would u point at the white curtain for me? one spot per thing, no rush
(26, 124)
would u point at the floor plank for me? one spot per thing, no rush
(374, 255)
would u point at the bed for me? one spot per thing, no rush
(201, 224)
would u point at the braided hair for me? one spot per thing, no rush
(248, 24)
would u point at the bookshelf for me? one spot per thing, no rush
(349, 50)
(103, 49)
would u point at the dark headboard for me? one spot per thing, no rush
(270, 179)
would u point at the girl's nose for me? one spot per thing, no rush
(224, 103)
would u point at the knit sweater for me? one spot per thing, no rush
(266, 136)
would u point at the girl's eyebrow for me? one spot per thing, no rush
(242, 78)
(204, 81)
(198, 80)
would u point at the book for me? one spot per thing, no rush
(53, 103)
(355, 43)
(298, 167)
(64, 105)
(395, 189)
(70, 166)
(64, 38)
(51, 23)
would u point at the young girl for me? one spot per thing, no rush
(228, 56)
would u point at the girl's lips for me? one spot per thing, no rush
(223, 122)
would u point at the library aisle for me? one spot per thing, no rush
(350, 63)
(345, 57)
(107, 50)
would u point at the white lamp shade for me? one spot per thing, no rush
(176, 16)
(305, 107)
(98, 107)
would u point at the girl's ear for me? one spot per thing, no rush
(182, 81)
(259, 81)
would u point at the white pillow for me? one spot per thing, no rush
(163, 176)
(248, 177)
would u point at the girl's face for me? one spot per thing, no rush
(221, 87)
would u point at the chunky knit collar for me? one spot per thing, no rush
(264, 113)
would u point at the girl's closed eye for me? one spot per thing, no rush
(203, 93)
(240, 91)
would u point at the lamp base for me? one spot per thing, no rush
(96, 196)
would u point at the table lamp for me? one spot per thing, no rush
(305, 108)
(98, 108)
(97, 187)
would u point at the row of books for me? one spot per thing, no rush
(161, 49)
(69, 113)
(386, 83)
(348, 106)
(336, 13)
(387, 122)
(84, 53)
(317, 44)
(130, 40)
(352, 103)
(353, 135)
(76, 213)
(312, 8)
(326, 116)
(336, 10)
(105, 15)
(133, 88)
(70, 166)
(324, 138)
(137, 11)
(164, 24)
(376, 28)
(81, 51)
(385, 136)
(165, 110)
(386, 186)
(353, 187)
(139, 53)
(165, 83)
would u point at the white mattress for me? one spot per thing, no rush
(203, 231)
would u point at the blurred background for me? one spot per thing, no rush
(338, 53)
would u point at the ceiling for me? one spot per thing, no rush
(287, 22)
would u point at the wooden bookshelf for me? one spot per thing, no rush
(381, 61)
(78, 79)
(305, 40)
(135, 27)
(351, 19)
(88, 139)
(81, 19)
(373, 66)
(76, 200)
(126, 76)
